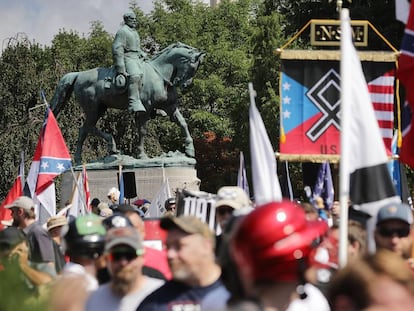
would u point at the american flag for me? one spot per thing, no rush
(324, 186)
(381, 90)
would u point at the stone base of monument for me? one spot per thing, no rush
(149, 176)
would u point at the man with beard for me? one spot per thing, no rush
(195, 273)
(128, 286)
(41, 256)
(393, 229)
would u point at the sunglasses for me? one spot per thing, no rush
(119, 255)
(390, 232)
(225, 210)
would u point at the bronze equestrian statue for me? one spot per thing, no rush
(98, 89)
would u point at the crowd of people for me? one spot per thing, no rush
(276, 256)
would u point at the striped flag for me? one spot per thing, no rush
(381, 91)
(85, 184)
(405, 74)
(51, 158)
(54, 157)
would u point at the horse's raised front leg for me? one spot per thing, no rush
(141, 120)
(110, 141)
(178, 118)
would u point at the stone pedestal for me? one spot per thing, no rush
(148, 179)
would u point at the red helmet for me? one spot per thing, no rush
(270, 240)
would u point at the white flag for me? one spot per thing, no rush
(77, 203)
(364, 176)
(402, 8)
(157, 207)
(264, 170)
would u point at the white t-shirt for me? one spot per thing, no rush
(104, 299)
(74, 269)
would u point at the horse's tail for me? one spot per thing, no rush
(63, 92)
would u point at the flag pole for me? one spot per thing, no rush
(121, 198)
(345, 115)
(77, 187)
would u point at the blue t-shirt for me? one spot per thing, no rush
(177, 296)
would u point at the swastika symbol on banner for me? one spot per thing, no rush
(325, 94)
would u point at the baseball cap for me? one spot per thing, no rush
(124, 236)
(188, 224)
(56, 221)
(232, 196)
(10, 237)
(398, 211)
(23, 202)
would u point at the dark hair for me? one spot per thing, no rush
(95, 202)
(168, 202)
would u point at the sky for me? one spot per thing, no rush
(40, 20)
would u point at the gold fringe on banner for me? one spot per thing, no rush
(371, 56)
(317, 158)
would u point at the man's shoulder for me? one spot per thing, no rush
(101, 291)
(36, 229)
(100, 298)
(162, 296)
(171, 287)
(176, 293)
(154, 282)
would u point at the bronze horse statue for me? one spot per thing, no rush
(96, 90)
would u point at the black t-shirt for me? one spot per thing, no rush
(177, 296)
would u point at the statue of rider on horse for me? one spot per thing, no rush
(134, 83)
